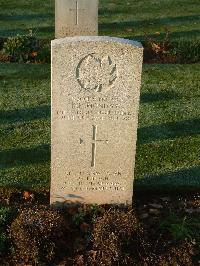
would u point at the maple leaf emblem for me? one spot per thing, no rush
(94, 73)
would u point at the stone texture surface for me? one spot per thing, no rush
(95, 100)
(76, 18)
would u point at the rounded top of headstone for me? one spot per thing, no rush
(96, 39)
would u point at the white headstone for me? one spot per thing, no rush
(76, 18)
(95, 100)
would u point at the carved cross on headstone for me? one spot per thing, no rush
(76, 10)
(94, 144)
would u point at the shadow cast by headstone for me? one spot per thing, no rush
(187, 179)
(146, 22)
(24, 156)
(158, 96)
(37, 31)
(63, 202)
(169, 131)
(46, 29)
(24, 17)
(191, 35)
(25, 114)
(146, 26)
(26, 72)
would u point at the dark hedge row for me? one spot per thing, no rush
(29, 49)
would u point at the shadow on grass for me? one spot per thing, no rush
(46, 29)
(183, 179)
(24, 156)
(18, 73)
(147, 22)
(169, 131)
(149, 97)
(177, 36)
(37, 30)
(123, 28)
(22, 115)
(115, 27)
(23, 17)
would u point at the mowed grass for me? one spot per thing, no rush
(25, 125)
(127, 18)
(168, 147)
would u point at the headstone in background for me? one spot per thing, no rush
(76, 18)
(95, 100)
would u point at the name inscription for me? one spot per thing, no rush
(95, 108)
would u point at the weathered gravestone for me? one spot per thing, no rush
(76, 18)
(95, 99)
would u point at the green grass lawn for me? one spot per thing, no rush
(168, 145)
(127, 18)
